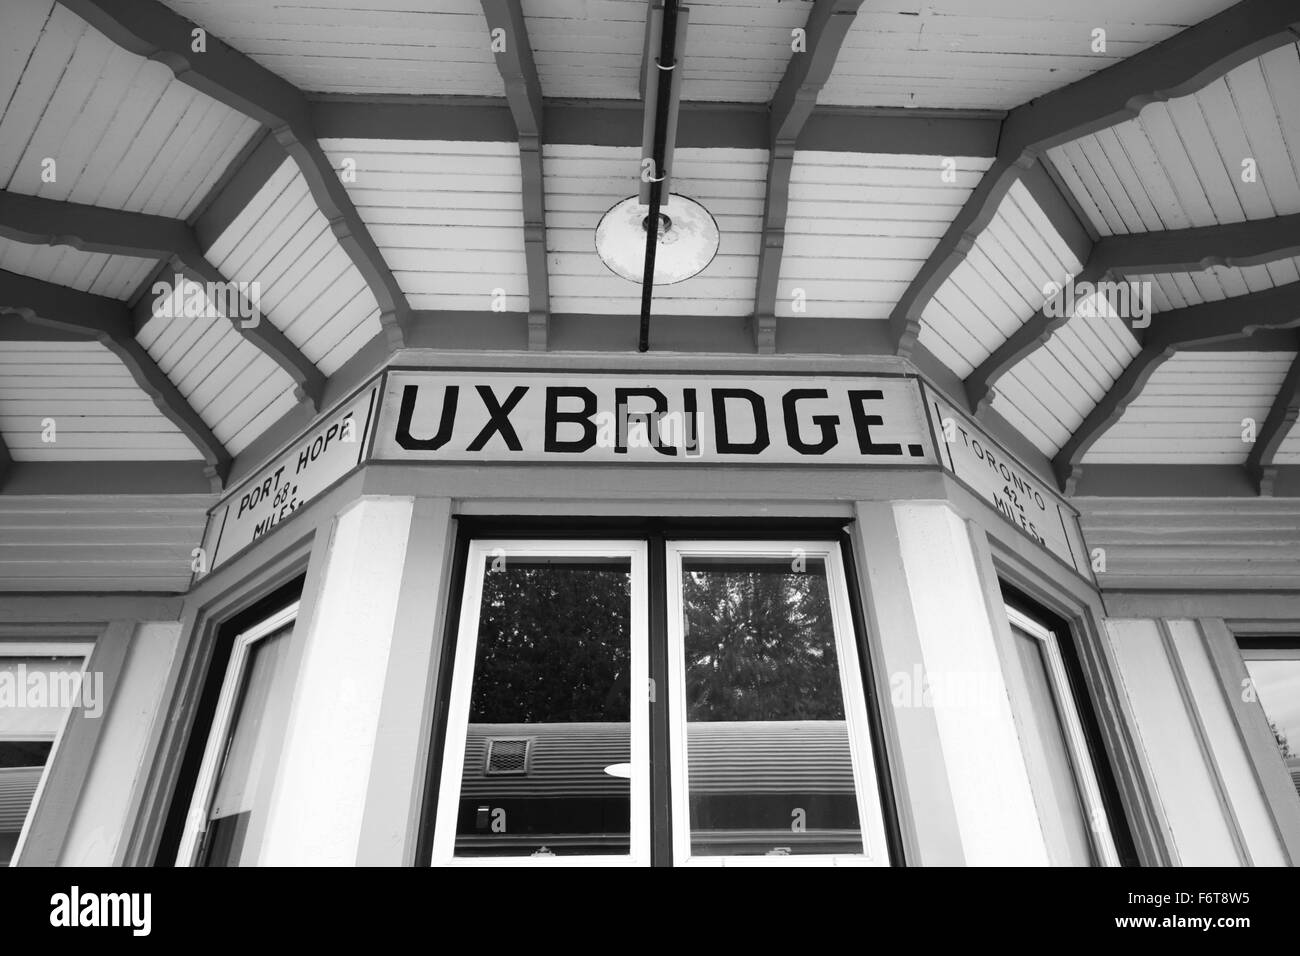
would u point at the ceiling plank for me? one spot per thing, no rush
(524, 94)
(109, 322)
(1177, 250)
(35, 219)
(792, 106)
(1175, 67)
(149, 29)
(1223, 322)
(1277, 425)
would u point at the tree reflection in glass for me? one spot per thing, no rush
(549, 711)
(770, 767)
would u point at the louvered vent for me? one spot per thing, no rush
(507, 757)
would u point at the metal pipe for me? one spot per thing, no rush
(666, 65)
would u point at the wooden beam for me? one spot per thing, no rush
(1177, 66)
(524, 94)
(608, 122)
(1211, 323)
(1176, 250)
(958, 239)
(792, 106)
(35, 219)
(108, 321)
(149, 29)
(1237, 244)
(1182, 64)
(1277, 425)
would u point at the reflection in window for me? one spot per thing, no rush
(770, 768)
(1041, 711)
(1277, 686)
(261, 715)
(548, 745)
(29, 723)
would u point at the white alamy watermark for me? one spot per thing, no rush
(1126, 299)
(184, 298)
(40, 689)
(670, 433)
(947, 690)
(75, 908)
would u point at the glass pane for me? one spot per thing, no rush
(770, 770)
(1277, 684)
(1041, 711)
(21, 765)
(258, 727)
(548, 747)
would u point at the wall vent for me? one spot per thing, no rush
(507, 756)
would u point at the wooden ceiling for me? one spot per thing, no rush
(912, 181)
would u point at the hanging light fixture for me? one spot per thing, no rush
(688, 239)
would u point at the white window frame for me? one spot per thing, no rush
(875, 851)
(1100, 835)
(196, 821)
(1270, 654)
(28, 648)
(453, 759)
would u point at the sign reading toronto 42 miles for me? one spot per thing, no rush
(551, 417)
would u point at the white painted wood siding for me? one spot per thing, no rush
(447, 217)
(1179, 164)
(1193, 408)
(98, 410)
(116, 277)
(859, 226)
(309, 287)
(995, 54)
(122, 130)
(399, 46)
(1001, 283)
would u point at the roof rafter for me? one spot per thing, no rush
(792, 106)
(1175, 67)
(1177, 250)
(108, 321)
(1281, 418)
(524, 94)
(1224, 322)
(34, 219)
(149, 29)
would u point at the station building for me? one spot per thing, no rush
(595, 431)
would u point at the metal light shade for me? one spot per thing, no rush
(688, 240)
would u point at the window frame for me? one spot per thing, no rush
(455, 729)
(23, 647)
(1100, 826)
(862, 742)
(219, 730)
(1273, 647)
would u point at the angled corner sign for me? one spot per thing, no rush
(1015, 492)
(454, 415)
(331, 448)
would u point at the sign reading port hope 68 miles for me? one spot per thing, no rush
(329, 450)
(652, 419)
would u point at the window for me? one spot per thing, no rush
(1273, 664)
(230, 800)
(40, 683)
(1075, 822)
(770, 740)
(548, 755)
